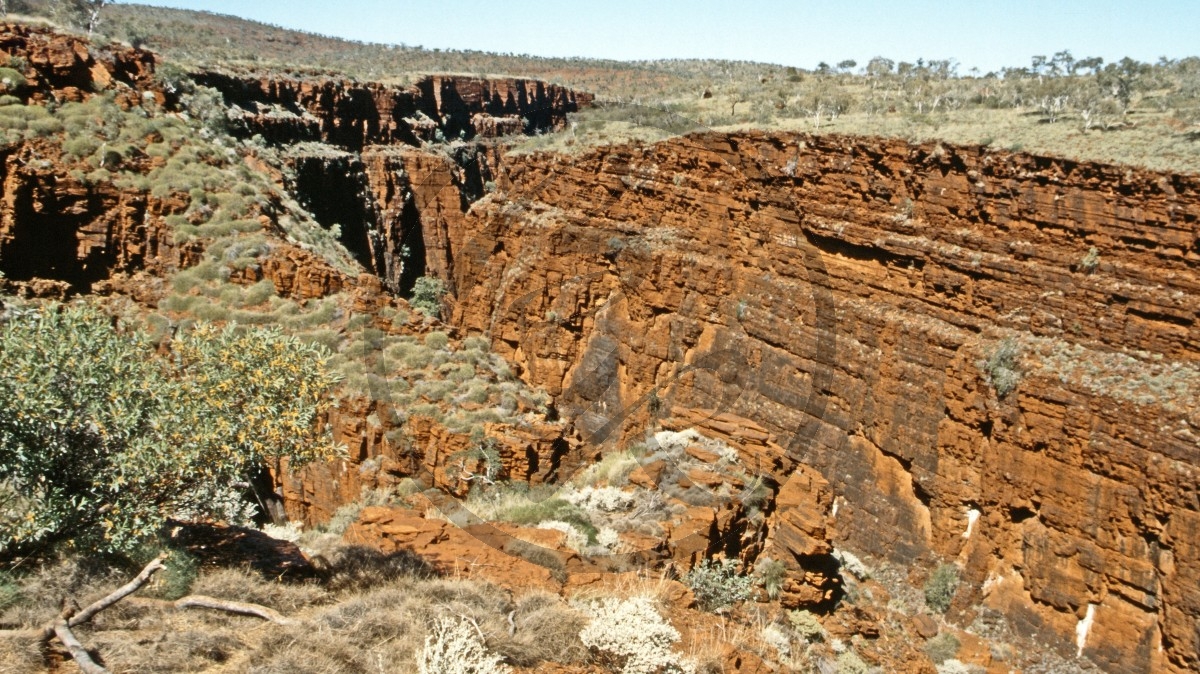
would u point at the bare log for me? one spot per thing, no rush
(82, 658)
(76, 619)
(256, 610)
(120, 593)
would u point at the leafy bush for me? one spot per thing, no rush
(940, 588)
(427, 295)
(456, 647)
(631, 637)
(717, 584)
(103, 439)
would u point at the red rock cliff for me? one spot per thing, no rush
(846, 295)
(355, 114)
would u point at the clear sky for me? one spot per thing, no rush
(987, 35)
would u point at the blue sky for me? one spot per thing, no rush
(987, 35)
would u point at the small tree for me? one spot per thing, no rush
(427, 295)
(941, 587)
(101, 439)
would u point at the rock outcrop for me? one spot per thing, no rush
(930, 353)
(852, 297)
(66, 68)
(354, 115)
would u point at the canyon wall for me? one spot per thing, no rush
(865, 303)
(848, 295)
(353, 115)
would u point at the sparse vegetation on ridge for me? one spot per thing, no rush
(1062, 104)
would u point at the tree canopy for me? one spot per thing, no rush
(103, 436)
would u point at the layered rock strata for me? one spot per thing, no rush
(867, 302)
(353, 115)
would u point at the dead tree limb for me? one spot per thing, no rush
(74, 619)
(78, 653)
(120, 593)
(71, 617)
(201, 601)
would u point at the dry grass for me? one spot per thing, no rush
(371, 615)
(1152, 141)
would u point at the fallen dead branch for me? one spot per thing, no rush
(71, 617)
(201, 601)
(78, 653)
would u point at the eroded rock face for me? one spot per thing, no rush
(846, 295)
(56, 229)
(65, 67)
(353, 115)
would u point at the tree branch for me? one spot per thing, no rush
(117, 595)
(120, 593)
(201, 601)
(82, 658)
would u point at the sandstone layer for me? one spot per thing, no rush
(846, 295)
(353, 115)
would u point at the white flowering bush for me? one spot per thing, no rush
(631, 637)
(456, 647)
(778, 638)
(718, 584)
(575, 539)
(604, 499)
(676, 442)
(608, 538)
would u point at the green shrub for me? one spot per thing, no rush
(717, 584)
(12, 80)
(1090, 261)
(806, 626)
(105, 439)
(177, 577)
(940, 588)
(942, 647)
(427, 295)
(476, 343)
(851, 663)
(437, 340)
(553, 509)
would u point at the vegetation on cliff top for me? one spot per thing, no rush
(1070, 105)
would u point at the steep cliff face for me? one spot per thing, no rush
(59, 235)
(853, 297)
(65, 67)
(353, 115)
